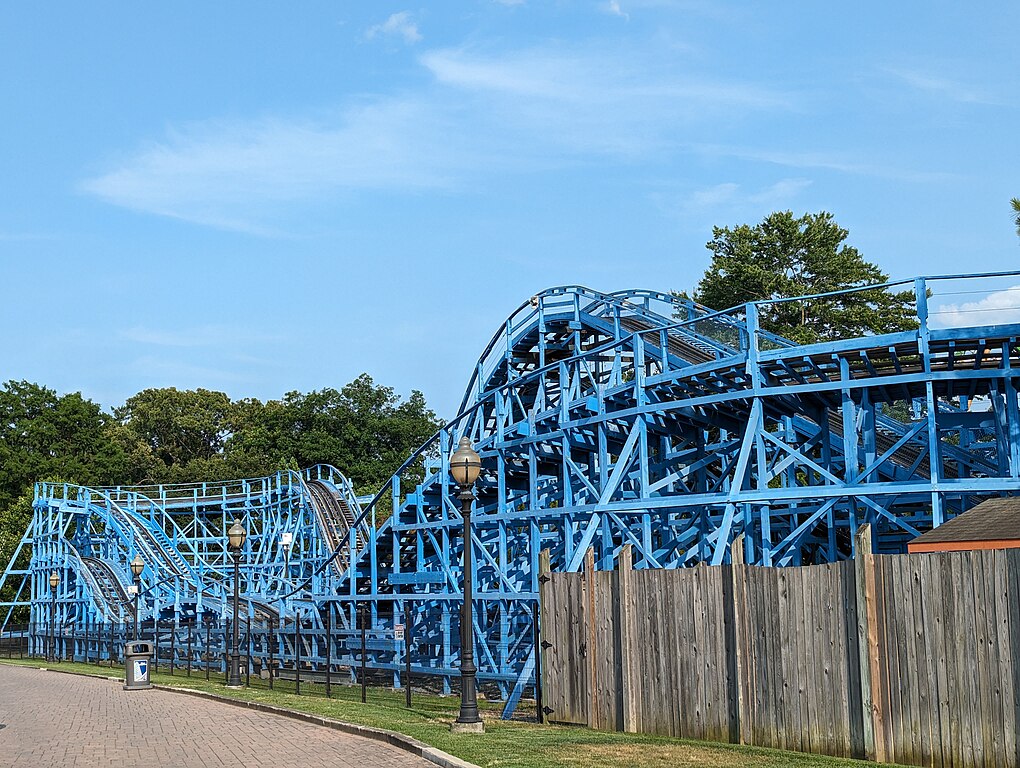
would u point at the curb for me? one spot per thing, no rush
(398, 740)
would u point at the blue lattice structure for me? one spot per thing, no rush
(602, 420)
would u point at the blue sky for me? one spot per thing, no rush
(262, 197)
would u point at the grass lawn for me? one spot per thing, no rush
(505, 743)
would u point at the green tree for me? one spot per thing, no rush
(784, 257)
(43, 434)
(178, 426)
(363, 429)
(1015, 202)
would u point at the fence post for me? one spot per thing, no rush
(867, 646)
(630, 686)
(408, 618)
(297, 654)
(588, 614)
(329, 647)
(248, 649)
(544, 577)
(191, 628)
(173, 644)
(208, 649)
(364, 660)
(741, 667)
(272, 653)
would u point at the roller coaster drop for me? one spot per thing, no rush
(602, 420)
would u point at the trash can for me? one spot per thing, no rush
(137, 655)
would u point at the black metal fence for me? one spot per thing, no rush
(295, 655)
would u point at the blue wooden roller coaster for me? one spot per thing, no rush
(602, 419)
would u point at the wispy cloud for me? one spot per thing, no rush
(399, 25)
(942, 87)
(229, 174)
(612, 7)
(821, 160)
(997, 308)
(732, 196)
(482, 113)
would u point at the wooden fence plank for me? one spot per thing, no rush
(862, 578)
(918, 654)
(741, 662)
(954, 648)
(853, 662)
(1013, 611)
(628, 648)
(934, 656)
(995, 576)
(967, 681)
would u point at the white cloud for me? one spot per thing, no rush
(481, 114)
(612, 7)
(228, 174)
(997, 308)
(942, 87)
(828, 161)
(731, 196)
(397, 25)
(597, 78)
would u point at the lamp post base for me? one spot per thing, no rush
(458, 727)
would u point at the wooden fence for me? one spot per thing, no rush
(895, 658)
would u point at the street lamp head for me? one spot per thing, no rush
(137, 566)
(236, 536)
(54, 580)
(465, 463)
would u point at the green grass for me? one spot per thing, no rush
(506, 743)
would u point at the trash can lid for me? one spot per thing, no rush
(138, 647)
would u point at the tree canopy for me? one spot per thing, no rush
(1015, 203)
(169, 435)
(786, 256)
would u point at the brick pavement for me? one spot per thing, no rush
(66, 721)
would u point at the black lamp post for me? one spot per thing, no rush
(54, 583)
(137, 566)
(235, 541)
(465, 464)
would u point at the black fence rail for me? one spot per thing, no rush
(294, 654)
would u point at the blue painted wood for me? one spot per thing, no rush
(603, 420)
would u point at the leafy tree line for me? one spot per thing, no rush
(177, 436)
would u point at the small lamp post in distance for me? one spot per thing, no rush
(235, 542)
(54, 583)
(137, 566)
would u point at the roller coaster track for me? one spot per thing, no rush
(605, 421)
(336, 519)
(107, 581)
(156, 545)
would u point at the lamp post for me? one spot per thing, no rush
(137, 566)
(235, 542)
(465, 464)
(54, 583)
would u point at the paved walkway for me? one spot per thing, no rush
(66, 721)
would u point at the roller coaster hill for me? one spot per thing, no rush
(603, 420)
